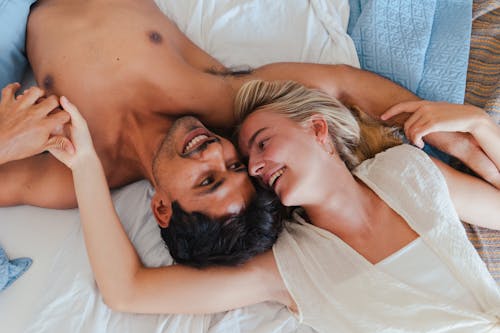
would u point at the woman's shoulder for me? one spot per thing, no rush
(402, 151)
(395, 158)
(403, 166)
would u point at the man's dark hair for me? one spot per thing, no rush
(197, 240)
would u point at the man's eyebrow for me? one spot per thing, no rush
(252, 138)
(214, 187)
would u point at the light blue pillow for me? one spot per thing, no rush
(13, 18)
(10, 270)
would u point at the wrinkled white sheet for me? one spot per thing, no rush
(58, 293)
(72, 302)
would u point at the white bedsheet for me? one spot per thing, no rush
(72, 303)
(58, 293)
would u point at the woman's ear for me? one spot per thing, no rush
(319, 126)
(162, 209)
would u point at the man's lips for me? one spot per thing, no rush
(194, 139)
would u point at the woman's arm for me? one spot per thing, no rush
(125, 283)
(476, 201)
(428, 117)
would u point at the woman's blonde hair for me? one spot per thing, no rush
(355, 136)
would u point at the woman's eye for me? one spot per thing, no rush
(207, 181)
(262, 144)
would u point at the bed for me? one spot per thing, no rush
(58, 293)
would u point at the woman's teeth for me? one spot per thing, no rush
(275, 176)
(192, 143)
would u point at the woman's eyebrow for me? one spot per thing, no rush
(254, 136)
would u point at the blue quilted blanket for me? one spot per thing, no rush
(421, 44)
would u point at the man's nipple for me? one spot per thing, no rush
(155, 37)
(48, 83)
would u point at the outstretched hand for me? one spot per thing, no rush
(429, 117)
(73, 151)
(28, 124)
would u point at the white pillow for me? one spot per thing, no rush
(255, 33)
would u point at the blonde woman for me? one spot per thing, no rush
(327, 269)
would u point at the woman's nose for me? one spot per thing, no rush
(255, 166)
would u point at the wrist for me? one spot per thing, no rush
(84, 160)
(6, 153)
(481, 123)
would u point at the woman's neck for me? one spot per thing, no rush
(347, 208)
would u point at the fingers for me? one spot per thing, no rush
(61, 144)
(30, 97)
(58, 119)
(403, 107)
(76, 117)
(416, 133)
(47, 105)
(417, 126)
(9, 92)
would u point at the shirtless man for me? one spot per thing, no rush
(131, 72)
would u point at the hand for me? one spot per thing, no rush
(26, 127)
(429, 117)
(75, 152)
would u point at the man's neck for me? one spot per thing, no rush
(147, 138)
(131, 156)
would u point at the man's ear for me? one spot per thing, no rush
(319, 128)
(162, 209)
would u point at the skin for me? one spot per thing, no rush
(257, 140)
(208, 177)
(365, 222)
(130, 96)
(428, 117)
(126, 285)
(26, 127)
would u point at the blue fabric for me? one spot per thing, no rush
(10, 270)
(13, 19)
(421, 44)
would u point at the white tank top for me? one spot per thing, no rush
(418, 266)
(338, 290)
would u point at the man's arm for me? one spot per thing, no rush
(368, 91)
(374, 94)
(39, 181)
(28, 127)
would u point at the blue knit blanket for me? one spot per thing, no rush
(421, 44)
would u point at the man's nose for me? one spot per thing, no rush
(214, 153)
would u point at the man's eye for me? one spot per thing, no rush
(207, 181)
(235, 166)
